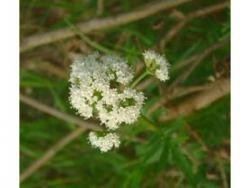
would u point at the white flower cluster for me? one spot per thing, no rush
(157, 65)
(106, 142)
(99, 89)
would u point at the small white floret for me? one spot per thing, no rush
(157, 65)
(104, 143)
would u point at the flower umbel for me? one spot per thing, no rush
(102, 87)
(99, 89)
(157, 65)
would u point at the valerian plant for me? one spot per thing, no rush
(102, 87)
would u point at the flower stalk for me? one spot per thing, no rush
(139, 79)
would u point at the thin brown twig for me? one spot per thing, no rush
(199, 13)
(199, 101)
(170, 34)
(60, 115)
(51, 152)
(194, 64)
(186, 62)
(97, 24)
(46, 67)
(179, 91)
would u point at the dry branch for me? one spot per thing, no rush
(51, 152)
(60, 115)
(199, 13)
(201, 100)
(97, 24)
(46, 67)
(181, 91)
(195, 63)
(186, 62)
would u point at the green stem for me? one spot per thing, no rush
(135, 82)
(88, 40)
(94, 44)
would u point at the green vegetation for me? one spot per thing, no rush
(191, 150)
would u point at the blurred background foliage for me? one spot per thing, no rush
(188, 150)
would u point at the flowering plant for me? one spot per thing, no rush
(102, 87)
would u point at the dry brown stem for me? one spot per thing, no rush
(46, 67)
(60, 115)
(199, 101)
(186, 62)
(97, 24)
(51, 152)
(194, 64)
(199, 13)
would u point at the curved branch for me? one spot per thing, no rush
(60, 115)
(194, 64)
(199, 13)
(201, 100)
(51, 152)
(97, 24)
